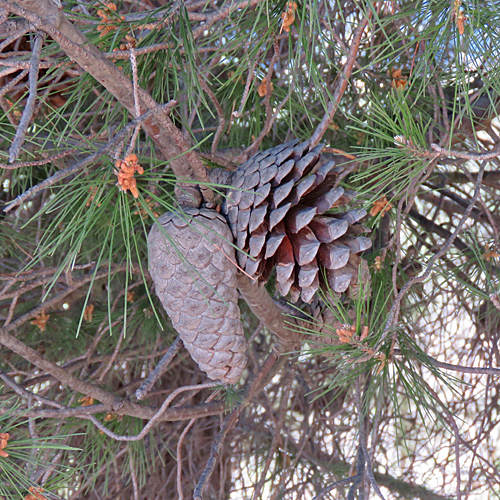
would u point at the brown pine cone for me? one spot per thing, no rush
(193, 269)
(276, 211)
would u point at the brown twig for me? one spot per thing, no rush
(459, 368)
(30, 102)
(37, 163)
(179, 449)
(159, 370)
(137, 107)
(283, 407)
(135, 484)
(360, 396)
(145, 412)
(269, 314)
(270, 116)
(226, 11)
(248, 83)
(12, 38)
(156, 417)
(219, 111)
(184, 161)
(342, 84)
(336, 484)
(465, 155)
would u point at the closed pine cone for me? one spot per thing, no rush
(195, 278)
(276, 211)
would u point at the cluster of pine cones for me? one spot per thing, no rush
(283, 213)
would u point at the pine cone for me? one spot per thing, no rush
(276, 211)
(192, 266)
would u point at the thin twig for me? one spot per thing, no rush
(344, 80)
(61, 174)
(218, 109)
(37, 163)
(13, 82)
(270, 116)
(137, 106)
(248, 83)
(222, 13)
(360, 395)
(156, 417)
(30, 102)
(336, 484)
(159, 370)
(114, 355)
(135, 485)
(17, 34)
(464, 154)
(180, 491)
(179, 448)
(459, 368)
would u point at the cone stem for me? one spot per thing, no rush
(268, 312)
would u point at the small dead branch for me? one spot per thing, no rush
(30, 102)
(159, 370)
(342, 84)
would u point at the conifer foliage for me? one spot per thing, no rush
(318, 312)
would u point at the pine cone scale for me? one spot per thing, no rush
(305, 246)
(334, 256)
(299, 217)
(273, 242)
(278, 215)
(281, 193)
(327, 230)
(283, 172)
(257, 217)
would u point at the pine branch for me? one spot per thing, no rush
(45, 15)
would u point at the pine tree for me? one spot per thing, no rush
(360, 360)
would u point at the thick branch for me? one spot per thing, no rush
(268, 312)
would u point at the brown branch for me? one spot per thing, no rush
(465, 155)
(26, 352)
(17, 34)
(159, 370)
(459, 368)
(461, 178)
(222, 14)
(218, 109)
(270, 117)
(328, 464)
(156, 417)
(394, 310)
(269, 313)
(30, 101)
(13, 82)
(344, 80)
(37, 163)
(144, 412)
(432, 227)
